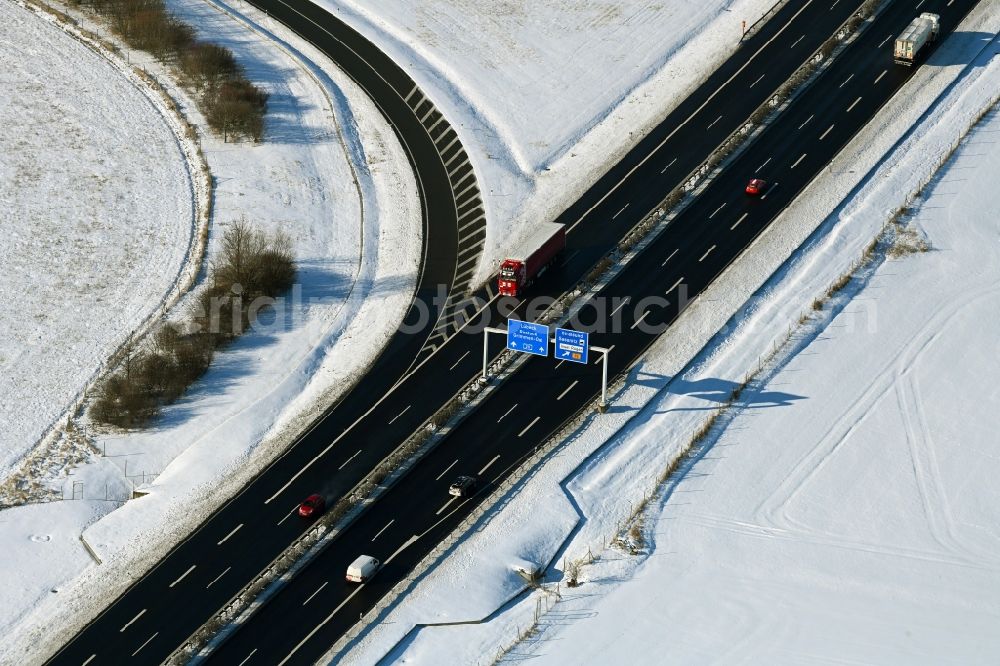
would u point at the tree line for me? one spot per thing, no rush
(232, 105)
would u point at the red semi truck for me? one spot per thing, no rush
(518, 271)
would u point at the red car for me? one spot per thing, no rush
(756, 186)
(312, 506)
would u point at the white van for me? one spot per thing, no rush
(362, 569)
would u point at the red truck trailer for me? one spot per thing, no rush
(518, 271)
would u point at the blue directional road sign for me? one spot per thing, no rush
(525, 336)
(572, 345)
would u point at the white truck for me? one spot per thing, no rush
(921, 31)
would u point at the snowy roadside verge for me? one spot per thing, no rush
(324, 140)
(548, 96)
(471, 581)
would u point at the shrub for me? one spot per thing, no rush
(208, 65)
(157, 375)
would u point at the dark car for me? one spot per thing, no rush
(463, 486)
(312, 506)
(756, 187)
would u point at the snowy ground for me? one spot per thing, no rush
(843, 509)
(331, 175)
(97, 221)
(546, 96)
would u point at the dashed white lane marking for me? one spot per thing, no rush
(89, 659)
(568, 389)
(446, 470)
(707, 252)
(379, 533)
(252, 652)
(495, 458)
(742, 217)
(769, 191)
(823, 135)
(802, 157)
(669, 165)
(797, 41)
(345, 463)
(882, 43)
(713, 122)
(757, 81)
(214, 580)
(627, 298)
(675, 285)
(139, 649)
(879, 78)
(670, 257)
(446, 505)
(400, 414)
(528, 427)
(507, 412)
(764, 164)
(290, 513)
(318, 590)
(183, 575)
(639, 320)
(716, 211)
(853, 104)
(806, 122)
(845, 81)
(459, 361)
(619, 212)
(226, 538)
(141, 613)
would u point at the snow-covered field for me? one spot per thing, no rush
(858, 522)
(332, 176)
(98, 215)
(842, 510)
(546, 96)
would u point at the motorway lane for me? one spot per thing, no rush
(344, 445)
(408, 521)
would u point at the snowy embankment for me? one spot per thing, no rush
(843, 506)
(332, 176)
(98, 219)
(546, 96)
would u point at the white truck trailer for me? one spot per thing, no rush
(921, 31)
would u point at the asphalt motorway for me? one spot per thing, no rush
(163, 608)
(319, 606)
